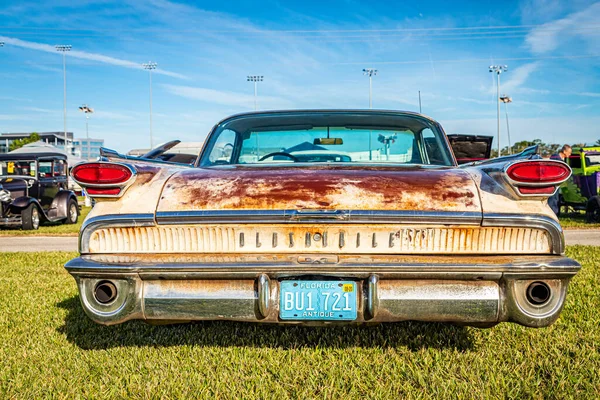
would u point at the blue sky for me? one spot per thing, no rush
(311, 54)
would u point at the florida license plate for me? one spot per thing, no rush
(318, 300)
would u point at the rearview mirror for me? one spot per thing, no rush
(328, 141)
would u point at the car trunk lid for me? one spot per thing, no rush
(320, 187)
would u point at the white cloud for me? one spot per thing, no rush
(227, 98)
(85, 56)
(579, 25)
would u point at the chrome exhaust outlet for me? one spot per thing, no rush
(538, 293)
(105, 292)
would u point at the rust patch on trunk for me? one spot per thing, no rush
(321, 187)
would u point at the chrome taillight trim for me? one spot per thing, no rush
(123, 186)
(516, 184)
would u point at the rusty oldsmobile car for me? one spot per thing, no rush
(264, 228)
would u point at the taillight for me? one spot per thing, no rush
(101, 174)
(549, 190)
(537, 177)
(104, 192)
(103, 179)
(544, 172)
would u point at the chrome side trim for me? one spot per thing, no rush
(111, 220)
(529, 221)
(318, 216)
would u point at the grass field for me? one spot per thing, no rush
(576, 220)
(49, 348)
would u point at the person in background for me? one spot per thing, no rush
(562, 155)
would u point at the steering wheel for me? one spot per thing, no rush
(279, 153)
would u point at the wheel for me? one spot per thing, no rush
(72, 212)
(30, 218)
(592, 212)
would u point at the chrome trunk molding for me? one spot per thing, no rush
(325, 217)
(317, 216)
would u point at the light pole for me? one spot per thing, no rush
(63, 48)
(370, 72)
(498, 69)
(87, 111)
(150, 66)
(255, 79)
(506, 99)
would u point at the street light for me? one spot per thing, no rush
(370, 72)
(150, 66)
(1, 44)
(506, 99)
(498, 69)
(63, 48)
(87, 110)
(255, 79)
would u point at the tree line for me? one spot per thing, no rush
(545, 149)
(17, 144)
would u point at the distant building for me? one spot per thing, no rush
(88, 149)
(56, 139)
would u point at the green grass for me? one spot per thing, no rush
(50, 229)
(576, 219)
(49, 348)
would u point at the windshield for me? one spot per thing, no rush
(327, 138)
(592, 159)
(8, 168)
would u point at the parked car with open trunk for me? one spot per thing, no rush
(265, 228)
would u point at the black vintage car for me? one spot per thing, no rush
(33, 189)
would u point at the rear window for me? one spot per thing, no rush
(327, 138)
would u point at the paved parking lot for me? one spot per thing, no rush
(69, 243)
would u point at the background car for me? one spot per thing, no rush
(582, 190)
(34, 189)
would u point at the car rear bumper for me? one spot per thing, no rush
(478, 291)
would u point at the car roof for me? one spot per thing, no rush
(31, 156)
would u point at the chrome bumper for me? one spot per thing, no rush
(477, 291)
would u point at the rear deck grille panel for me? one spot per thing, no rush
(346, 239)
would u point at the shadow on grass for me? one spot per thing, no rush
(88, 335)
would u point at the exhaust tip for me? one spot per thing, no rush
(538, 293)
(105, 292)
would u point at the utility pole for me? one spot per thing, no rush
(498, 69)
(255, 79)
(150, 66)
(420, 111)
(64, 48)
(506, 99)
